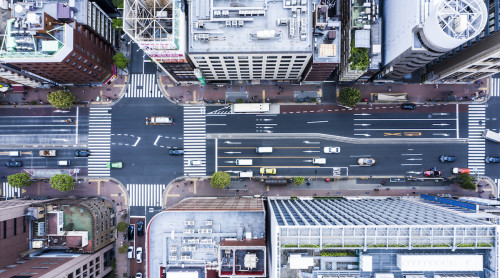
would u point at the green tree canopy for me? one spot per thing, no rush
(117, 23)
(19, 180)
(466, 181)
(120, 60)
(349, 96)
(118, 4)
(123, 249)
(61, 99)
(298, 180)
(121, 226)
(62, 182)
(220, 180)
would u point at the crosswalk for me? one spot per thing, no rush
(10, 191)
(143, 86)
(146, 194)
(99, 141)
(495, 87)
(476, 151)
(195, 145)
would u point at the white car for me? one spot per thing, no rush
(319, 160)
(138, 255)
(195, 162)
(331, 149)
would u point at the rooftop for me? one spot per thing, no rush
(250, 26)
(326, 36)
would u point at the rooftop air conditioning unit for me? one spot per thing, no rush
(225, 13)
(216, 13)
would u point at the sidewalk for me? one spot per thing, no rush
(104, 188)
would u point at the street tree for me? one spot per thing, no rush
(118, 4)
(121, 226)
(298, 181)
(117, 23)
(123, 249)
(220, 180)
(61, 99)
(349, 96)
(466, 181)
(120, 60)
(19, 180)
(62, 182)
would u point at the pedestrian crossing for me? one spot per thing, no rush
(195, 144)
(495, 87)
(149, 195)
(143, 86)
(476, 150)
(99, 141)
(10, 191)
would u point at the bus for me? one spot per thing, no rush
(250, 108)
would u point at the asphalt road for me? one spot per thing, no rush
(139, 62)
(492, 148)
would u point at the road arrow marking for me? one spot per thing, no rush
(61, 111)
(441, 124)
(232, 153)
(442, 134)
(441, 114)
(363, 134)
(229, 142)
(308, 151)
(308, 142)
(362, 114)
(317, 122)
(414, 159)
(363, 124)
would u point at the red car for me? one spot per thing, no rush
(461, 171)
(432, 173)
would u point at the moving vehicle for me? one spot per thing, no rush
(195, 162)
(461, 171)
(264, 149)
(331, 149)
(408, 106)
(47, 152)
(138, 275)
(491, 135)
(14, 153)
(140, 228)
(176, 152)
(82, 153)
(130, 252)
(130, 232)
(490, 159)
(13, 164)
(432, 173)
(160, 120)
(247, 174)
(268, 171)
(138, 255)
(447, 158)
(319, 160)
(63, 163)
(114, 165)
(244, 162)
(366, 161)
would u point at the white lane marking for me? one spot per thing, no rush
(411, 164)
(76, 131)
(458, 127)
(441, 124)
(411, 154)
(403, 129)
(405, 119)
(215, 124)
(266, 124)
(362, 114)
(156, 141)
(137, 142)
(362, 134)
(317, 122)
(216, 155)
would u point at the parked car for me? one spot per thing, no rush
(331, 149)
(138, 275)
(491, 159)
(131, 232)
(268, 171)
(82, 153)
(13, 164)
(408, 106)
(366, 161)
(130, 252)
(140, 228)
(461, 171)
(138, 255)
(176, 152)
(432, 173)
(447, 158)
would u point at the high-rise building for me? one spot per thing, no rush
(373, 236)
(257, 40)
(427, 30)
(63, 42)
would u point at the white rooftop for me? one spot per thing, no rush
(431, 262)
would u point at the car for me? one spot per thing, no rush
(461, 171)
(366, 161)
(331, 149)
(195, 162)
(138, 255)
(140, 228)
(130, 252)
(432, 173)
(447, 158)
(130, 232)
(82, 153)
(138, 275)
(408, 106)
(176, 152)
(268, 171)
(491, 159)
(116, 165)
(319, 161)
(13, 164)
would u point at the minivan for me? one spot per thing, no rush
(14, 153)
(264, 149)
(245, 162)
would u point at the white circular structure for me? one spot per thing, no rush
(453, 22)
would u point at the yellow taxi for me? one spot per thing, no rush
(268, 171)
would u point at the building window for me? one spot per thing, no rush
(15, 226)
(80, 66)
(80, 58)
(73, 55)
(74, 64)
(67, 61)
(85, 61)
(85, 70)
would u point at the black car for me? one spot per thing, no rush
(408, 106)
(447, 158)
(140, 228)
(13, 164)
(130, 232)
(176, 152)
(82, 153)
(490, 159)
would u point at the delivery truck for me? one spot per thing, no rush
(48, 153)
(491, 135)
(160, 120)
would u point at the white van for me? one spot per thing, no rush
(247, 174)
(14, 153)
(63, 163)
(245, 162)
(319, 160)
(264, 149)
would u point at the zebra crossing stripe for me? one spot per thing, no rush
(10, 191)
(195, 140)
(99, 141)
(143, 86)
(146, 194)
(477, 144)
(495, 87)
